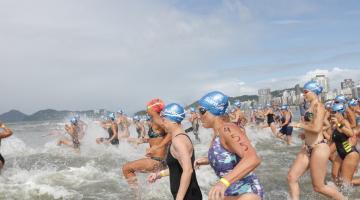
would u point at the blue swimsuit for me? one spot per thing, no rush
(223, 162)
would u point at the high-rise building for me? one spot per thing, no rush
(347, 83)
(264, 96)
(323, 81)
(297, 89)
(356, 91)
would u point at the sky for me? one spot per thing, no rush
(112, 54)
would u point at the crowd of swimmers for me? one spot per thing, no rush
(330, 133)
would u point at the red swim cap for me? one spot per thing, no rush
(156, 105)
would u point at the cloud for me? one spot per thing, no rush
(288, 22)
(94, 54)
(91, 54)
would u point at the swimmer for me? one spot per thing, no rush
(123, 123)
(231, 154)
(286, 130)
(73, 131)
(347, 158)
(180, 157)
(157, 139)
(112, 129)
(269, 113)
(194, 120)
(315, 153)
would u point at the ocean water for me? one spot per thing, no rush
(36, 168)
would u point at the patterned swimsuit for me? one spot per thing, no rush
(223, 162)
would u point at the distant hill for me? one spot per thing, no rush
(13, 116)
(48, 114)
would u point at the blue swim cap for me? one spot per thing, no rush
(338, 107)
(173, 112)
(112, 116)
(192, 109)
(215, 102)
(284, 107)
(340, 99)
(353, 102)
(237, 103)
(314, 87)
(73, 120)
(328, 104)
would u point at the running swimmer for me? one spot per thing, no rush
(139, 126)
(239, 116)
(180, 157)
(349, 114)
(157, 139)
(286, 130)
(231, 154)
(112, 129)
(347, 158)
(73, 131)
(353, 106)
(123, 123)
(269, 113)
(315, 153)
(194, 120)
(6, 132)
(82, 125)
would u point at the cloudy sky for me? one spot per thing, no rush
(88, 54)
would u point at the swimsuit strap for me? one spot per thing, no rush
(185, 135)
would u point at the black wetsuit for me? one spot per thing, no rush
(193, 192)
(114, 141)
(343, 147)
(286, 129)
(270, 118)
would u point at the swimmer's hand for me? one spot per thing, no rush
(217, 192)
(200, 161)
(153, 177)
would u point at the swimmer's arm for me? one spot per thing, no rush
(164, 142)
(240, 145)
(183, 156)
(201, 161)
(6, 133)
(351, 118)
(346, 129)
(115, 134)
